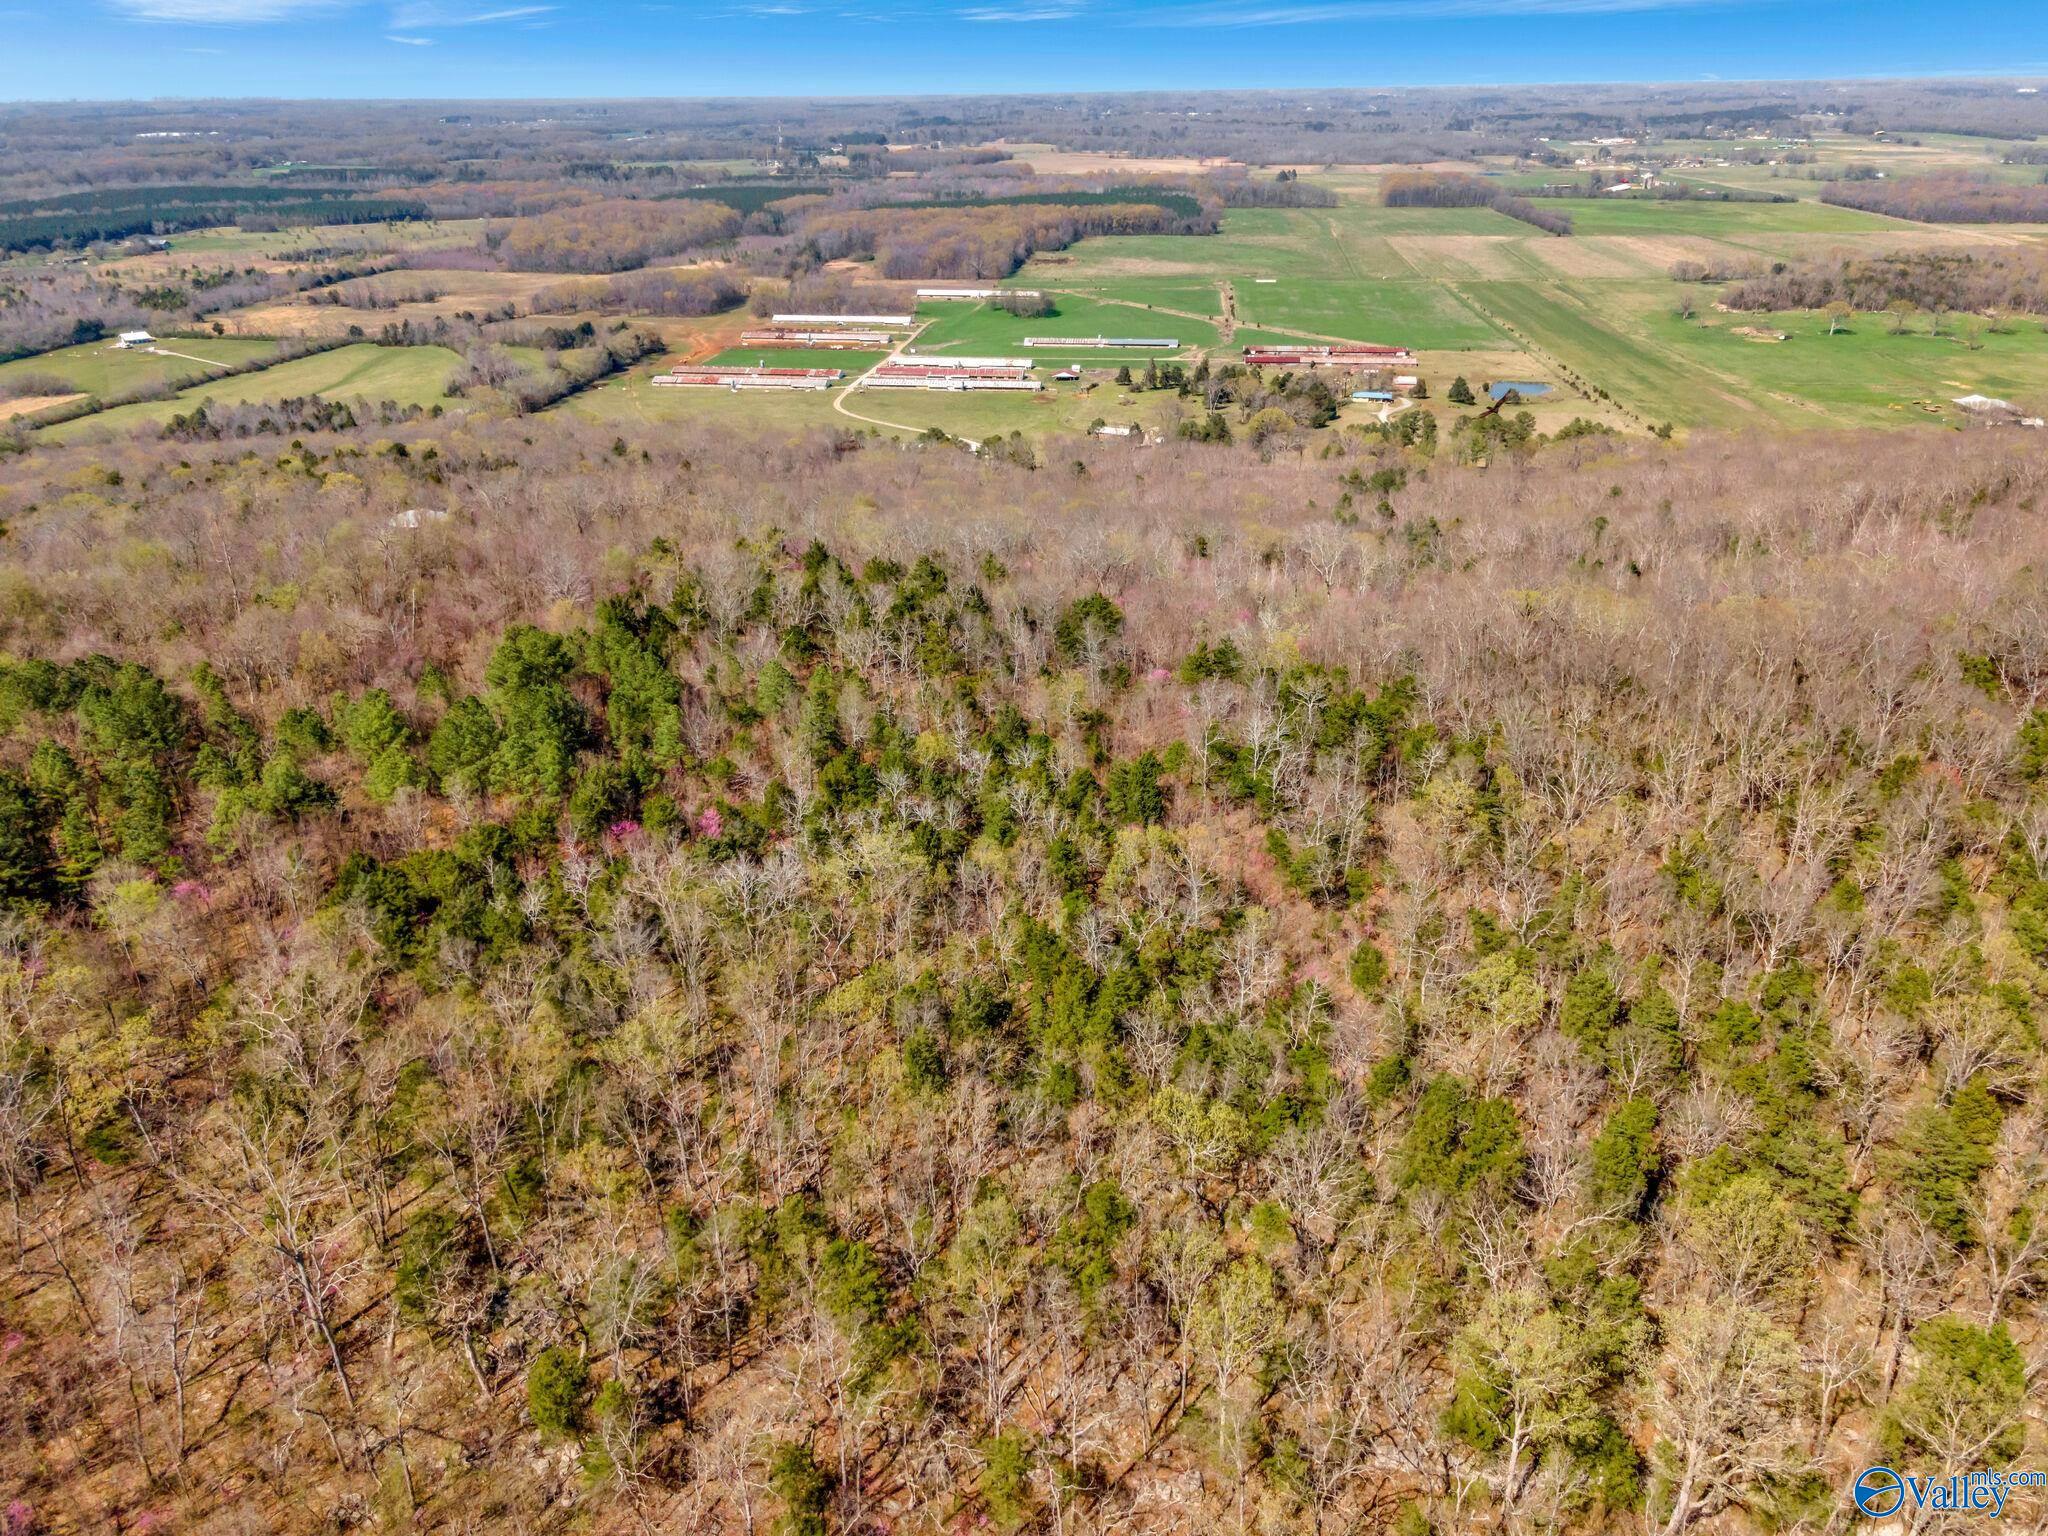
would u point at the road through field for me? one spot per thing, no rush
(187, 356)
(846, 390)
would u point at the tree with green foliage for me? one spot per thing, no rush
(556, 1385)
(1522, 1386)
(1726, 1412)
(1085, 628)
(1943, 1152)
(796, 1477)
(1461, 1147)
(1625, 1160)
(1589, 1010)
(1006, 1479)
(1368, 968)
(26, 861)
(464, 746)
(542, 725)
(1965, 1405)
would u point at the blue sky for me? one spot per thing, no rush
(510, 48)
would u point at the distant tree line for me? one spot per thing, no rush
(645, 293)
(1945, 199)
(744, 199)
(2014, 279)
(613, 235)
(1427, 189)
(53, 230)
(988, 241)
(830, 293)
(1288, 191)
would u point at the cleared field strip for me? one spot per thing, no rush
(407, 375)
(983, 331)
(1429, 316)
(101, 368)
(1646, 384)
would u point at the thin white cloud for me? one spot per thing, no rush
(430, 15)
(411, 42)
(1220, 14)
(1019, 13)
(223, 12)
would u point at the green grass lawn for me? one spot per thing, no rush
(1629, 340)
(98, 368)
(1060, 410)
(1192, 296)
(1415, 314)
(1721, 221)
(1865, 374)
(631, 400)
(1600, 339)
(408, 375)
(981, 330)
(1262, 242)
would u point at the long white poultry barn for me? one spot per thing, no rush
(924, 360)
(1165, 343)
(894, 322)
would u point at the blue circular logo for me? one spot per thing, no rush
(1878, 1492)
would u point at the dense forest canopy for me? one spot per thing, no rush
(585, 980)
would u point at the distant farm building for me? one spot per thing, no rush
(1406, 382)
(1995, 413)
(1372, 394)
(705, 376)
(1066, 376)
(1164, 343)
(790, 336)
(978, 293)
(1106, 430)
(134, 339)
(930, 375)
(1358, 356)
(870, 322)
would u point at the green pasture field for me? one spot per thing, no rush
(630, 399)
(1414, 314)
(1722, 221)
(98, 368)
(1629, 340)
(1191, 296)
(1473, 291)
(408, 375)
(981, 330)
(1254, 242)
(1865, 374)
(1058, 411)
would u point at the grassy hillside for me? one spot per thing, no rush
(99, 368)
(406, 375)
